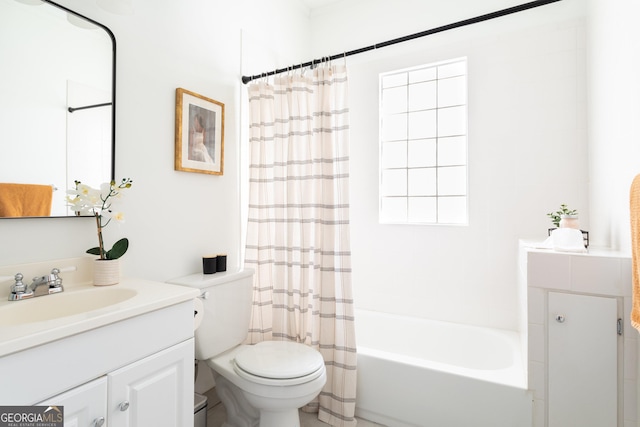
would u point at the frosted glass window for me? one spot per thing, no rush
(393, 209)
(394, 182)
(454, 68)
(423, 124)
(394, 155)
(394, 127)
(452, 121)
(452, 210)
(452, 91)
(422, 96)
(393, 80)
(423, 144)
(452, 181)
(423, 75)
(451, 151)
(422, 153)
(422, 210)
(422, 182)
(394, 100)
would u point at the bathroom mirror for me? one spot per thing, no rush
(57, 108)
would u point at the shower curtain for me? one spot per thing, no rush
(298, 226)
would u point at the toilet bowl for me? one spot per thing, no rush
(260, 385)
(275, 400)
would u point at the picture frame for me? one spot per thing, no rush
(199, 133)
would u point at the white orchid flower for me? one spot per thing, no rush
(118, 216)
(86, 200)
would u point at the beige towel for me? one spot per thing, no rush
(25, 200)
(635, 250)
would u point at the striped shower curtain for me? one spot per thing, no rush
(298, 226)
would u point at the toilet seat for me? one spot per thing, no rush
(279, 363)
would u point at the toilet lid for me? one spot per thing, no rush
(279, 360)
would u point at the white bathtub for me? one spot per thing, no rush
(420, 372)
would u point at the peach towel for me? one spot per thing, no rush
(25, 200)
(635, 250)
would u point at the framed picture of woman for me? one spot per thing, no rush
(199, 133)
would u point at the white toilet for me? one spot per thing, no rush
(260, 385)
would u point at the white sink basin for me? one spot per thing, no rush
(82, 307)
(51, 307)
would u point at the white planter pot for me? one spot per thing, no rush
(569, 221)
(106, 272)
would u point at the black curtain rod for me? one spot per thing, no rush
(71, 109)
(481, 18)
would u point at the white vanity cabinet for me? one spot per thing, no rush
(130, 363)
(85, 405)
(581, 347)
(583, 360)
(155, 391)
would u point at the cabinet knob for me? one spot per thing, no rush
(98, 422)
(124, 405)
(560, 318)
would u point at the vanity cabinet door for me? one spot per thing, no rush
(84, 406)
(155, 391)
(583, 361)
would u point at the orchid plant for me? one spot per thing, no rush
(85, 200)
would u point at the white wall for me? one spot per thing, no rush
(527, 151)
(172, 217)
(614, 108)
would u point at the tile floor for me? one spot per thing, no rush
(216, 415)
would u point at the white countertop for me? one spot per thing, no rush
(600, 271)
(536, 246)
(149, 296)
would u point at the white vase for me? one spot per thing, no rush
(106, 272)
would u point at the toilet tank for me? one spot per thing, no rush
(227, 309)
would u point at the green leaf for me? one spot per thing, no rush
(119, 248)
(94, 251)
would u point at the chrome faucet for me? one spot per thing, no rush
(43, 285)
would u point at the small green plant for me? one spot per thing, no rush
(557, 215)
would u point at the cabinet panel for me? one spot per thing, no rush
(583, 362)
(91, 354)
(156, 391)
(83, 405)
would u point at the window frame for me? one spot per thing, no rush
(436, 198)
